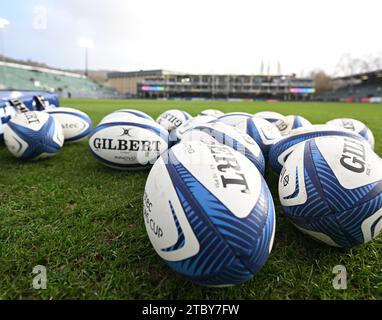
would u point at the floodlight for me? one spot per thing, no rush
(86, 43)
(4, 23)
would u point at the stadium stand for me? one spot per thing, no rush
(365, 87)
(174, 85)
(65, 84)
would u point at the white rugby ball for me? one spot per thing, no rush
(33, 135)
(211, 112)
(123, 113)
(289, 123)
(356, 126)
(118, 117)
(172, 119)
(218, 132)
(262, 131)
(270, 116)
(128, 145)
(235, 119)
(190, 124)
(76, 125)
(209, 214)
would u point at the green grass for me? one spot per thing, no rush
(84, 222)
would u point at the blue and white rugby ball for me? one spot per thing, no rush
(128, 145)
(218, 132)
(209, 214)
(270, 116)
(331, 189)
(76, 124)
(122, 113)
(281, 150)
(235, 119)
(262, 131)
(289, 123)
(33, 135)
(211, 112)
(356, 126)
(6, 112)
(172, 119)
(189, 125)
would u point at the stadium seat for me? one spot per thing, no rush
(13, 78)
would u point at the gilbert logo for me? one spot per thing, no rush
(353, 156)
(227, 165)
(126, 145)
(281, 125)
(286, 180)
(171, 118)
(31, 117)
(126, 132)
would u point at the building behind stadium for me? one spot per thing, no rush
(167, 84)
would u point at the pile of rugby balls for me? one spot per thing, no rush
(33, 135)
(209, 213)
(207, 208)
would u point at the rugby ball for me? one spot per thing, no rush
(33, 135)
(209, 214)
(217, 132)
(172, 119)
(280, 151)
(126, 113)
(76, 125)
(331, 189)
(270, 116)
(262, 131)
(235, 119)
(118, 117)
(6, 113)
(211, 112)
(288, 123)
(356, 126)
(128, 145)
(190, 124)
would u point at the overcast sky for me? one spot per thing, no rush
(208, 36)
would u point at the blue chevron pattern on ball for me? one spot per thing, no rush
(335, 202)
(368, 135)
(208, 243)
(222, 237)
(263, 132)
(280, 151)
(27, 142)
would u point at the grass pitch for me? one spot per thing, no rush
(84, 222)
